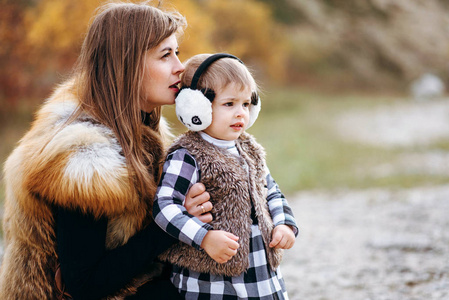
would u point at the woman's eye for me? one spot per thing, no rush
(166, 55)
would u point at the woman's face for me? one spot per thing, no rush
(161, 74)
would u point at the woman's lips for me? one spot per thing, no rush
(175, 86)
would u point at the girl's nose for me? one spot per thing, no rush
(241, 111)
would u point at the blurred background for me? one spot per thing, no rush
(315, 60)
(354, 91)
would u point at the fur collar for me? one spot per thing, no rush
(79, 166)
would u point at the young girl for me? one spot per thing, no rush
(252, 220)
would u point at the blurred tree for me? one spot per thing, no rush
(197, 36)
(41, 39)
(248, 30)
(374, 43)
(13, 55)
(285, 12)
(55, 30)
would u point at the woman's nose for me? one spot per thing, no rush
(179, 67)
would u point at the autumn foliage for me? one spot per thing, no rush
(41, 40)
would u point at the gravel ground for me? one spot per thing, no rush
(370, 244)
(379, 244)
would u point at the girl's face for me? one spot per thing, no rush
(161, 74)
(230, 113)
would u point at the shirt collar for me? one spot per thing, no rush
(217, 142)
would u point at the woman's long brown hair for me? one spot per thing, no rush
(109, 74)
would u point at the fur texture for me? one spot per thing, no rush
(193, 109)
(78, 166)
(231, 189)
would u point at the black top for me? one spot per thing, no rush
(89, 270)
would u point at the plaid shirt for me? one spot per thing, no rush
(180, 172)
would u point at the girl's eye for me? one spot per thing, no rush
(166, 55)
(229, 104)
(246, 104)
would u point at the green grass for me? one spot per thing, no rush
(303, 150)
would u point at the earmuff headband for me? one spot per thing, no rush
(194, 107)
(205, 64)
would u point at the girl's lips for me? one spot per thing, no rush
(237, 126)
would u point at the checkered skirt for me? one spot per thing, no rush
(258, 282)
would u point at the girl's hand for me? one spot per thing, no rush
(220, 245)
(282, 237)
(197, 203)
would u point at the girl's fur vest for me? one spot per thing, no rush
(233, 184)
(80, 165)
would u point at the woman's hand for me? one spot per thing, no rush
(197, 203)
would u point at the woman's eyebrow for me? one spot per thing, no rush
(168, 48)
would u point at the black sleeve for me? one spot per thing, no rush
(89, 270)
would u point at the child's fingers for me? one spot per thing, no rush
(230, 252)
(276, 239)
(233, 245)
(221, 260)
(226, 256)
(232, 236)
(285, 243)
(291, 242)
(232, 241)
(289, 245)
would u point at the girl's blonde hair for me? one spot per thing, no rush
(219, 74)
(109, 74)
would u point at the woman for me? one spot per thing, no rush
(80, 184)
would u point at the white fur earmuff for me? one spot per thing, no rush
(194, 108)
(254, 110)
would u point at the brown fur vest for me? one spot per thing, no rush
(232, 188)
(80, 166)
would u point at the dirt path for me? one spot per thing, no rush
(373, 244)
(399, 124)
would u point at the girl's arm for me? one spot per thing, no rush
(180, 172)
(280, 211)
